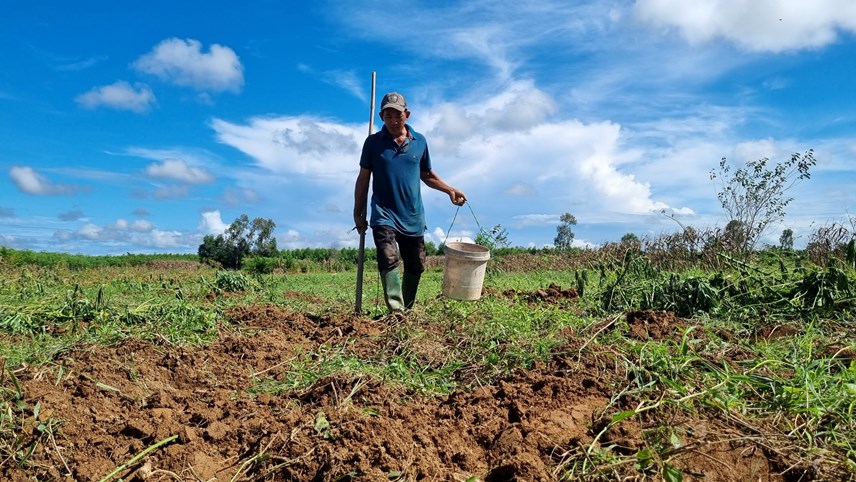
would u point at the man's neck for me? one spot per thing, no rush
(401, 133)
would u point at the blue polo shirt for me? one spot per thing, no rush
(396, 182)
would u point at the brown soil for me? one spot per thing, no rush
(115, 402)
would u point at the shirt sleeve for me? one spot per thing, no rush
(425, 162)
(366, 157)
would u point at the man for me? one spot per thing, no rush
(395, 159)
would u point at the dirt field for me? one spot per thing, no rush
(115, 402)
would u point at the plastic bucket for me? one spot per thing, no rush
(463, 273)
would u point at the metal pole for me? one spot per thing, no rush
(358, 304)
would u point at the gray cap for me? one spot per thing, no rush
(393, 100)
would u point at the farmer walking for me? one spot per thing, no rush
(394, 160)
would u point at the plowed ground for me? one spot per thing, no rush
(112, 403)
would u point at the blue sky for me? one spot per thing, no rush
(141, 127)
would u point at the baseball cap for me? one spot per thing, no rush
(393, 100)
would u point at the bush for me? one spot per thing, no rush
(261, 265)
(231, 281)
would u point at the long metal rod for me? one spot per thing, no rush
(361, 254)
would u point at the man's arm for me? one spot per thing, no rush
(361, 197)
(433, 181)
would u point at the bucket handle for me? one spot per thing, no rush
(448, 231)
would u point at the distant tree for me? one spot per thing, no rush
(261, 237)
(431, 249)
(630, 238)
(214, 248)
(564, 233)
(240, 239)
(786, 240)
(754, 196)
(734, 236)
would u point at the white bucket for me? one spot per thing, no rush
(463, 274)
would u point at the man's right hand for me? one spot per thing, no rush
(360, 224)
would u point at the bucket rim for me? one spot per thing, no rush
(467, 250)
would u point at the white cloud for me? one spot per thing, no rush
(164, 239)
(212, 223)
(756, 25)
(183, 62)
(179, 170)
(575, 161)
(119, 95)
(439, 236)
(142, 226)
(90, 231)
(31, 182)
(296, 145)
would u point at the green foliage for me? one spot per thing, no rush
(850, 255)
(13, 257)
(564, 234)
(825, 291)
(261, 265)
(215, 249)
(431, 249)
(231, 281)
(495, 237)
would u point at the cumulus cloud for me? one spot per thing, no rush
(141, 226)
(574, 161)
(179, 170)
(756, 25)
(120, 96)
(212, 223)
(295, 145)
(184, 63)
(31, 182)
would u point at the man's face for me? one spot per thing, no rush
(394, 119)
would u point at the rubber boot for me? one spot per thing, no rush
(392, 289)
(409, 287)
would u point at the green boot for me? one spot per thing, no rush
(392, 289)
(409, 287)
